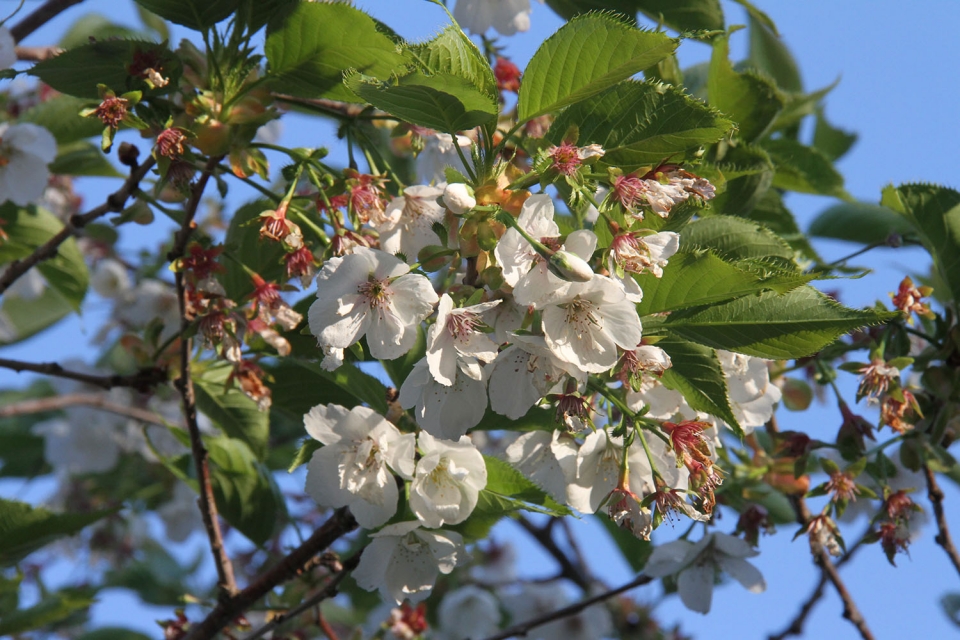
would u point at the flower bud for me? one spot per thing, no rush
(459, 198)
(569, 267)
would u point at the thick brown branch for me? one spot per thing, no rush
(115, 203)
(935, 494)
(184, 384)
(524, 627)
(40, 16)
(567, 568)
(95, 400)
(328, 591)
(143, 380)
(340, 523)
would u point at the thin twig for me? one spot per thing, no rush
(340, 523)
(184, 384)
(143, 380)
(567, 568)
(943, 538)
(795, 628)
(40, 16)
(334, 108)
(524, 627)
(95, 400)
(36, 54)
(328, 591)
(115, 203)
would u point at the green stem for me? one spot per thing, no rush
(644, 423)
(463, 159)
(254, 185)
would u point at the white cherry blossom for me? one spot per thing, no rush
(372, 293)
(524, 373)
(539, 599)
(752, 395)
(403, 561)
(440, 152)
(25, 151)
(468, 612)
(506, 16)
(448, 480)
(457, 335)
(548, 458)
(110, 278)
(408, 227)
(150, 300)
(698, 563)
(445, 411)
(180, 514)
(355, 466)
(76, 448)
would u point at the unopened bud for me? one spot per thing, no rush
(459, 198)
(569, 267)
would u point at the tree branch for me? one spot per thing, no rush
(36, 54)
(115, 203)
(340, 523)
(943, 538)
(567, 568)
(184, 384)
(40, 16)
(143, 380)
(524, 627)
(328, 591)
(334, 108)
(95, 400)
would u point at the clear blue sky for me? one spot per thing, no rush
(898, 68)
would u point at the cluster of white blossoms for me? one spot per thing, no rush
(535, 337)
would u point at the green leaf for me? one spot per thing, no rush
(77, 72)
(934, 212)
(246, 493)
(774, 215)
(83, 159)
(304, 454)
(61, 117)
(626, 10)
(198, 15)
(641, 124)
(748, 171)
(301, 384)
(696, 373)
(444, 102)
(802, 168)
(831, 141)
(244, 243)
(504, 480)
(155, 575)
(635, 551)
(749, 99)
(684, 15)
(51, 609)
(230, 409)
(859, 222)
(770, 55)
(94, 25)
(769, 325)
(702, 278)
(115, 633)
(584, 57)
(733, 239)
(453, 53)
(309, 48)
(24, 528)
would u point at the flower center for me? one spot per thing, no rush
(462, 324)
(581, 314)
(375, 292)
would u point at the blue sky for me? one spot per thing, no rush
(898, 91)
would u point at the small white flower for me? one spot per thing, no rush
(638, 254)
(459, 198)
(149, 300)
(506, 16)
(524, 373)
(110, 279)
(456, 334)
(548, 458)
(408, 227)
(752, 396)
(698, 563)
(25, 151)
(403, 561)
(445, 411)
(8, 49)
(448, 480)
(440, 152)
(370, 292)
(354, 466)
(79, 447)
(468, 612)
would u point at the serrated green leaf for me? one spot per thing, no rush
(748, 98)
(51, 609)
(230, 409)
(859, 222)
(444, 102)
(684, 15)
(83, 159)
(831, 141)
(61, 117)
(95, 25)
(77, 72)
(802, 168)
(309, 47)
(748, 171)
(24, 528)
(774, 215)
(567, 9)
(453, 53)
(733, 238)
(504, 480)
(301, 384)
(640, 123)
(696, 373)
(934, 212)
(769, 325)
(770, 55)
(583, 58)
(198, 15)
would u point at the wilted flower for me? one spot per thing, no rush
(909, 299)
(895, 408)
(875, 379)
(170, 142)
(112, 110)
(507, 75)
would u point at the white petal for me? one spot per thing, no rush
(667, 559)
(744, 573)
(695, 586)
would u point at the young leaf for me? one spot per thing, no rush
(733, 239)
(796, 324)
(749, 99)
(309, 47)
(586, 56)
(83, 159)
(51, 609)
(804, 169)
(684, 15)
(770, 55)
(231, 410)
(831, 141)
(696, 373)
(859, 222)
(641, 123)
(453, 53)
(198, 15)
